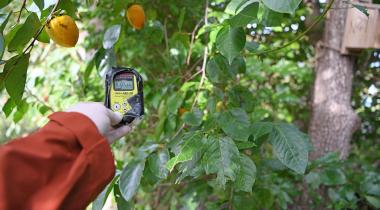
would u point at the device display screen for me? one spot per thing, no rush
(123, 84)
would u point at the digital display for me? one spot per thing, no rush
(123, 84)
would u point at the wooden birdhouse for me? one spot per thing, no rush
(361, 31)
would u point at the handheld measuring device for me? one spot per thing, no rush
(124, 93)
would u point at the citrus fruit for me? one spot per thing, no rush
(136, 16)
(63, 31)
(181, 111)
(219, 106)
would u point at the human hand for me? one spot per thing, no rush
(103, 118)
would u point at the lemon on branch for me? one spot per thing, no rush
(136, 16)
(63, 31)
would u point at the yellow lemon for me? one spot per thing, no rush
(219, 106)
(136, 16)
(63, 31)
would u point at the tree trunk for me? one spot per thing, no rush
(333, 120)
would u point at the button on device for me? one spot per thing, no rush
(116, 106)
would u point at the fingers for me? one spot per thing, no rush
(117, 133)
(115, 117)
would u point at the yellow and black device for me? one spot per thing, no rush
(124, 93)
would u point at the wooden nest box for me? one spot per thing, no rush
(361, 31)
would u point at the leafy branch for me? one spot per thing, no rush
(30, 46)
(203, 70)
(300, 36)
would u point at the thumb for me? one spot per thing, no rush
(117, 133)
(115, 117)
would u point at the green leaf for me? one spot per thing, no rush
(246, 176)
(43, 109)
(248, 14)
(9, 36)
(99, 57)
(2, 46)
(221, 157)
(120, 201)
(283, 6)
(4, 3)
(87, 72)
(174, 102)
(119, 5)
(271, 18)
(189, 144)
(8, 107)
(371, 184)
(374, 201)
(230, 41)
(290, 146)
(235, 123)
(238, 66)
(193, 118)
(251, 46)
(245, 144)
(333, 176)
(40, 4)
(25, 33)
(157, 162)
(192, 167)
(330, 158)
(4, 22)
(260, 129)
(22, 108)
(99, 202)
(313, 180)
(241, 97)
(15, 79)
(2, 78)
(43, 37)
(181, 18)
(69, 7)
(235, 5)
(218, 69)
(130, 179)
(111, 36)
(361, 8)
(146, 149)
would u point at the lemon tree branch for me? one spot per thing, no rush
(30, 46)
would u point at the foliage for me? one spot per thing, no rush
(193, 55)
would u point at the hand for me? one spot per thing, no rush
(103, 118)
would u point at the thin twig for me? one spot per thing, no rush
(29, 92)
(203, 70)
(317, 20)
(22, 8)
(192, 41)
(166, 34)
(205, 54)
(179, 131)
(193, 76)
(230, 199)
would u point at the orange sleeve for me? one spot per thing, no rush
(64, 165)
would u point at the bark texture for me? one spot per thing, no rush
(333, 120)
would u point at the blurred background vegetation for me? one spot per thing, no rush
(168, 53)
